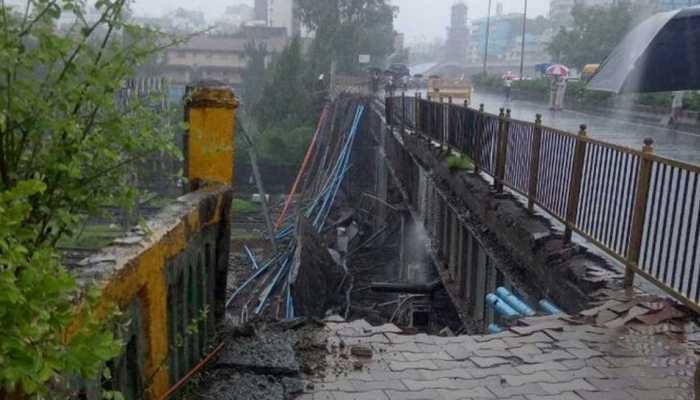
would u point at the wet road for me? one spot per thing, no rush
(678, 145)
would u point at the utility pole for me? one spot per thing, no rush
(522, 50)
(488, 31)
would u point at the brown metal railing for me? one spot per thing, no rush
(640, 208)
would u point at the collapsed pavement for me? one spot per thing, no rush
(361, 267)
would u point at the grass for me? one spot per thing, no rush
(93, 237)
(244, 206)
(459, 163)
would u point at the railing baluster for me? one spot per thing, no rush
(501, 149)
(403, 113)
(535, 163)
(640, 211)
(575, 183)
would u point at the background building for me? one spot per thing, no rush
(219, 57)
(458, 34)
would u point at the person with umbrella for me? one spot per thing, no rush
(508, 85)
(557, 93)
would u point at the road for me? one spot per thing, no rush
(670, 143)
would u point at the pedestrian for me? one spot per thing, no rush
(508, 86)
(676, 107)
(557, 93)
(561, 92)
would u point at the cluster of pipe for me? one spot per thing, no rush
(510, 306)
(336, 157)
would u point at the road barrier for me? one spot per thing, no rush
(640, 208)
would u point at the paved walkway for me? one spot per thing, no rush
(624, 349)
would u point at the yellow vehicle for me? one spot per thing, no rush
(588, 71)
(455, 88)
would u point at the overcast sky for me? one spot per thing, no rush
(419, 19)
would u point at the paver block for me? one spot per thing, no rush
(584, 353)
(537, 337)
(427, 356)
(547, 366)
(486, 362)
(367, 386)
(428, 394)
(560, 396)
(473, 393)
(525, 350)
(609, 384)
(556, 388)
(517, 380)
(456, 373)
(372, 395)
(569, 375)
(659, 394)
(457, 351)
(404, 365)
(444, 383)
(608, 395)
(495, 371)
(556, 355)
(504, 391)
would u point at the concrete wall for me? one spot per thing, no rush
(169, 277)
(482, 240)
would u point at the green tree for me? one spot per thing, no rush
(254, 75)
(286, 98)
(594, 34)
(65, 144)
(344, 29)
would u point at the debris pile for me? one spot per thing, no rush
(303, 276)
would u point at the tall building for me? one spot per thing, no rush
(280, 13)
(260, 10)
(458, 34)
(504, 33)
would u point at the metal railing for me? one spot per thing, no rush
(640, 208)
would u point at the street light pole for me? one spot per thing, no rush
(522, 49)
(488, 31)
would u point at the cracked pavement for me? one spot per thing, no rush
(553, 357)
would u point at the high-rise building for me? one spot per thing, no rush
(260, 11)
(458, 34)
(277, 14)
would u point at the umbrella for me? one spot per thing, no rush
(660, 54)
(557, 70)
(508, 75)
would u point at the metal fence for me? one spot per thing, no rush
(640, 208)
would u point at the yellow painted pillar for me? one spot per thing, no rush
(209, 143)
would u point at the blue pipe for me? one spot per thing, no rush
(501, 307)
(549, 307)
(513, 301)
(339, 171)
(270, 288)
(251, 256)
(493, 329)
(251, 279)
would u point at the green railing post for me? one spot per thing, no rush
(403, 113)
(416, 111)
(501, 149)
(535, 163)
(639, 213)
(575, 183)
(478, 134)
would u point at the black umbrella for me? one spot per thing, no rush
(661, 54)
